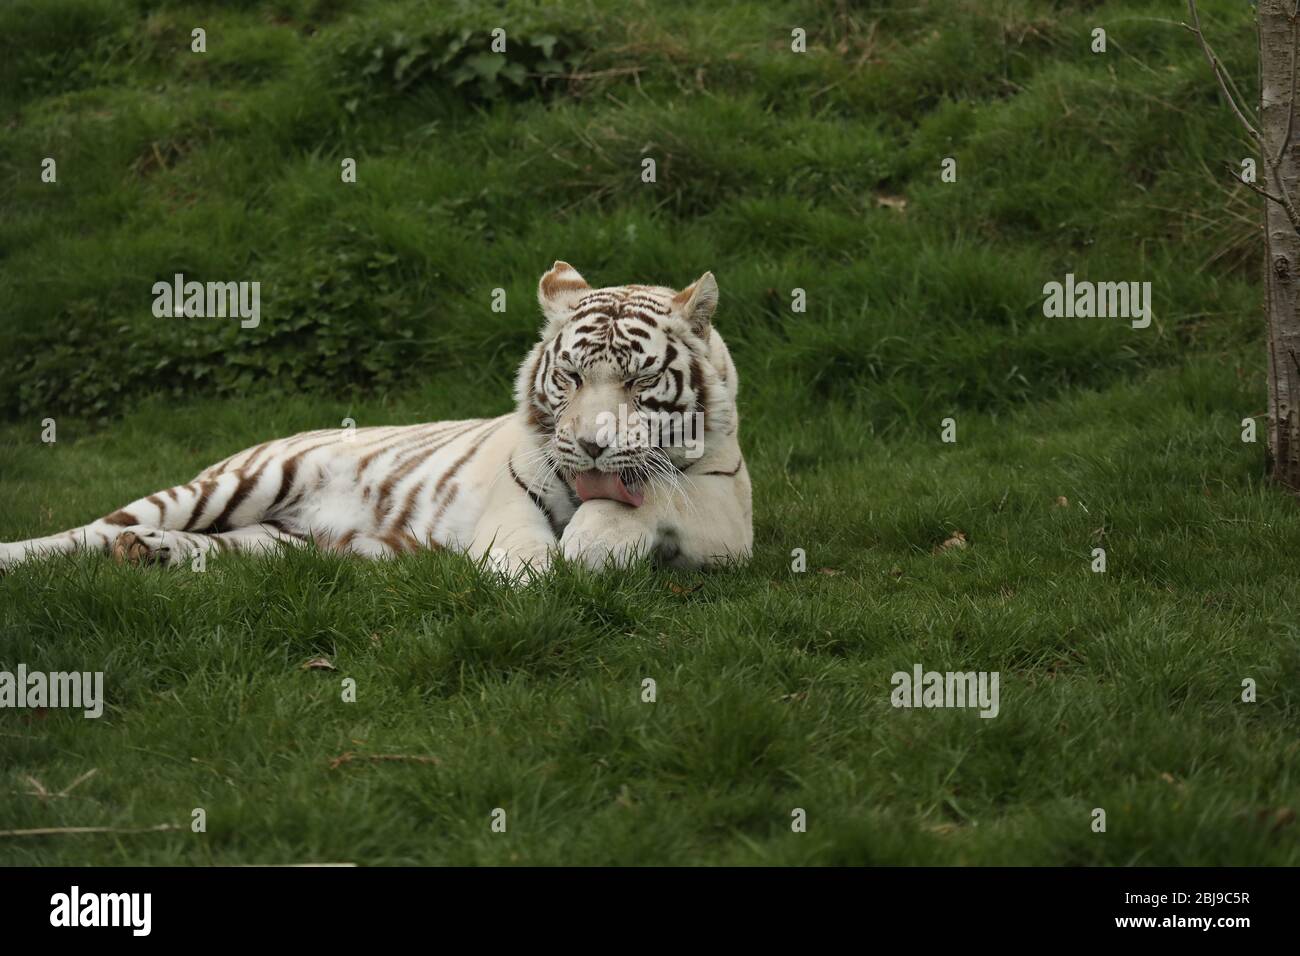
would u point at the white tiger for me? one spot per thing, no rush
(556, 475)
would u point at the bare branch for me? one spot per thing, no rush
(1220, 73)
(1254, 186)
(1226, 86)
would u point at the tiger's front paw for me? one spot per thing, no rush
(517, 565)
(139, 545)
(604, 533)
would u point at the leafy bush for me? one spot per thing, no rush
(462, 60)
(343, 324)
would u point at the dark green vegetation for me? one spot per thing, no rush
(820, 171)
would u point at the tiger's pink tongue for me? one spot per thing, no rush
(606, 484)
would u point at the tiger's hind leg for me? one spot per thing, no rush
(230, 500)
(141, 545)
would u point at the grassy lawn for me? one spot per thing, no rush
(820, 171)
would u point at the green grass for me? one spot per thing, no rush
(1119, 690)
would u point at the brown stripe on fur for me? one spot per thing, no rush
(541, 505)
(408, 466)
(402, 443)
(197, 514)
(399, 444)
(417, 450)
(401, 542)
(539, 420)
(453, 490)
(290, 468)
(279, 528)
(302, 438)
(403, 517)
(414, 461)
(254, 454)
(221, 464)
(540, 367)
(700, 386)
(246, 484)
(288, 471)
(659, 404)
(121, 517)
(678, 382)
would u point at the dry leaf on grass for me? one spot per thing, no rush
(943, 828)
(319, 664)
(956, 541)
(1279, 818)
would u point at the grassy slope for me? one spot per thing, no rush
(1118, 690)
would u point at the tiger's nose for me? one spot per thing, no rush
(592, 448)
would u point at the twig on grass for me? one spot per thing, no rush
(38, 789)
(53, 831)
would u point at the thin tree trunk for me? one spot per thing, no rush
(1277, 51)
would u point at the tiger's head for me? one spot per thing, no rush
(628, 385)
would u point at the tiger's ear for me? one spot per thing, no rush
(697, 301)
(559, 291)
